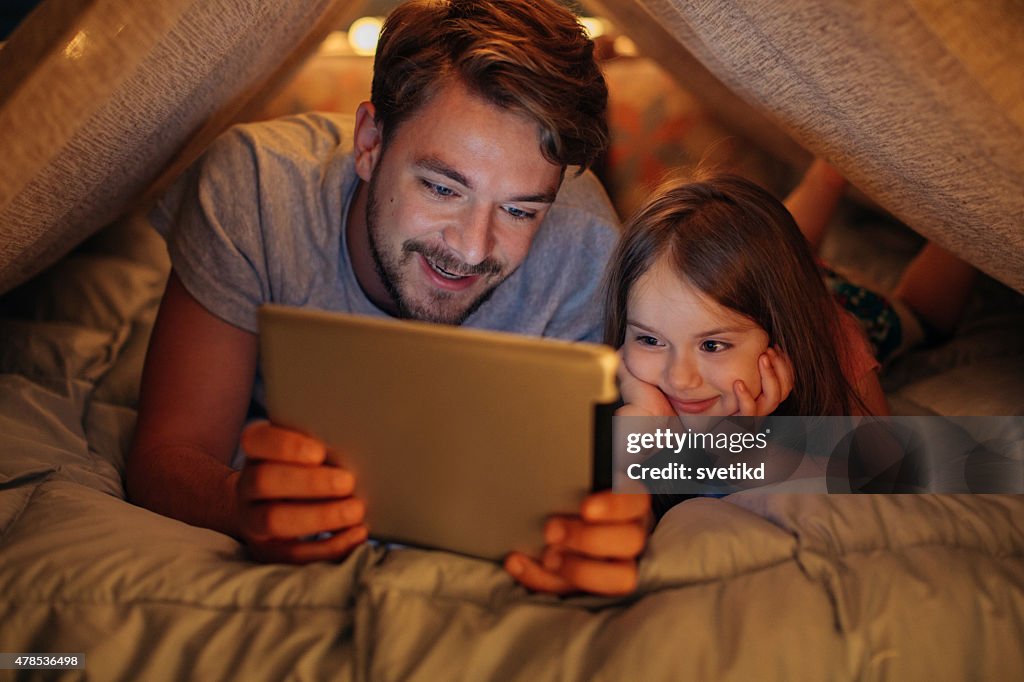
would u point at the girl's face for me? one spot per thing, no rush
(691, 347)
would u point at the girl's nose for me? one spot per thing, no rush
(683, 373)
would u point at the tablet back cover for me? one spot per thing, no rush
(460, 439)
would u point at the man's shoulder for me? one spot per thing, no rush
(556, 291)
(313, 134)
(582, 217)
(584, 192)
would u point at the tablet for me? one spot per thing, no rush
(459, 439)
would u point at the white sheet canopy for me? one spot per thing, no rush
(919, 102)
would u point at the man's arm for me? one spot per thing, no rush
(196, 388)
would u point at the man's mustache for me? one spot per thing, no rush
(450, 263)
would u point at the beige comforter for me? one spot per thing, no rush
(798, 587)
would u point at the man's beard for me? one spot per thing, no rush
(441, 306)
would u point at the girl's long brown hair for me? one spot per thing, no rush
(739, 245)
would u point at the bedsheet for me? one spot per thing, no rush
(746, 587)
(919, 103)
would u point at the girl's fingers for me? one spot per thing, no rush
(745, 402)
(646, 399)
(770, 388)
(784, 369)
(776, 375)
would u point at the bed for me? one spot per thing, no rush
(750, 586)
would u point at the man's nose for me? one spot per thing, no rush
(472, 238)
(684, 372)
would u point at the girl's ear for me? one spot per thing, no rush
(367, 141)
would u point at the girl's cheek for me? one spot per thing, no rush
(627, 359)
(639, 366)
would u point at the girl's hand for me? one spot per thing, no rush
(641, 399)
(776, 372)
(596, 551)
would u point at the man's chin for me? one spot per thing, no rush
(445, 309)
(437, 311)
(435, 316)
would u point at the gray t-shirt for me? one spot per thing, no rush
(261, 218)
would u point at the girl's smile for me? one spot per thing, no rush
(691, 347)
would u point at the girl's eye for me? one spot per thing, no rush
(711, 346)
(439, 190)
(645, 340)
(519, 214)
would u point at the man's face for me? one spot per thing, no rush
(454, 201)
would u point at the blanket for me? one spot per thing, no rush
(752, 586)
(93, 114)
(919, 103)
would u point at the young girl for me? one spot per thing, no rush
(720, 308)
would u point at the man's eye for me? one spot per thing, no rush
(713, 346)
(439, 190)
(519, 214)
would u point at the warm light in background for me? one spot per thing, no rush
(335, 44)
(76, 46)
(624, 47)
(595, 26)
(363, 34)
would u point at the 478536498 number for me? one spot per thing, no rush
(39, 661)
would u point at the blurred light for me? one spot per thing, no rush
(76, 46)
(335, 44)
(624, 47)
(595, 26)
(363, 35)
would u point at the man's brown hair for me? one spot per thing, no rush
(528, 56)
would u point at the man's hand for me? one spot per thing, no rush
(595, 552)
(776, 372)
(287, 495)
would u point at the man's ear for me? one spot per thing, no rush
(367, 142)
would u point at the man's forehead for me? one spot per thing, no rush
(454, 106)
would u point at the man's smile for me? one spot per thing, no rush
(443, 278)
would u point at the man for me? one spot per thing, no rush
(452, 205)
